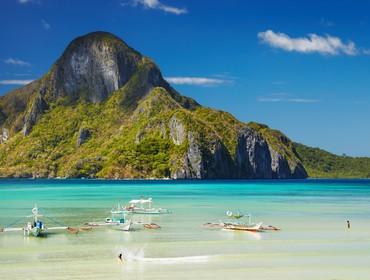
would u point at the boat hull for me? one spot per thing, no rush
(36, 232)
(254, 228)
(126, 226)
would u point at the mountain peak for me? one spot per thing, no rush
(101, 37)
(91, 69)
(94, 65)
(98, 35)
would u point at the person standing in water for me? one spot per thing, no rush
(120, 257)
(348, 224)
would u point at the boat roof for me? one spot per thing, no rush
(136, 201)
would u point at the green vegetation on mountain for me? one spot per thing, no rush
(50, 149)
(322, 164)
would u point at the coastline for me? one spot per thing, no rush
(187, 181)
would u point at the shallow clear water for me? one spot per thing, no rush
(314, 242)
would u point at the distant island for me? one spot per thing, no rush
(103, 110)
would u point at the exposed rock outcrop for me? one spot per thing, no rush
(37, 108)
(83, 135)
(177, 130)
(94, 66)
(192, 166)
(218, 162)
(210, 161)
(4, 136)
(256, 158)
(253, 159)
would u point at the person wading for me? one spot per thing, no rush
(120, 257)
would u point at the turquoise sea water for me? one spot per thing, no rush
(314, 242)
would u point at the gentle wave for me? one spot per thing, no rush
(138, 256)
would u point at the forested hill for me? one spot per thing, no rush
(322, 164)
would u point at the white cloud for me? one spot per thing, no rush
(45, 24)
(284, 97)
(16, 61)
(157, 5)
(327, 45)
(197, 81)
(15, 82)
(24, 1)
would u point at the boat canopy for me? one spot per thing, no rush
(137, 201)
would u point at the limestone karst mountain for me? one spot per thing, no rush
(104, 110)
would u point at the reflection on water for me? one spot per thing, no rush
(241, 235)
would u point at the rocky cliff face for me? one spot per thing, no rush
(254, 159)
(38, 106)
(104, 110)
(95, 66)
(193, 162)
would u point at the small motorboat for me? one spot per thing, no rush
(75, 230)
(151, 226)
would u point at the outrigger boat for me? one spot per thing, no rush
(117, 219)
(35, 227)
(249, 226)
(240, 226)
(143, 206)
(243, 227)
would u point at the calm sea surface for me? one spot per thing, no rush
(314, 242)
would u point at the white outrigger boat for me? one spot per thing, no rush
(240, 226)
(143, 206)
(119, 223)
(243, 227)
(35, 227)
(248, 226)
(117, 219)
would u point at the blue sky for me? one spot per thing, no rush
(301, 68)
